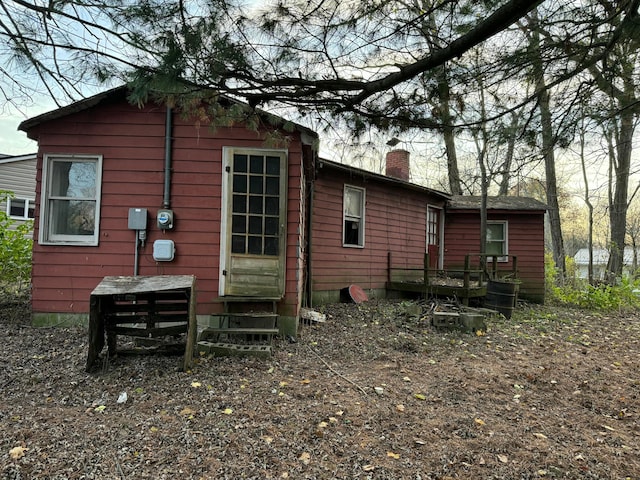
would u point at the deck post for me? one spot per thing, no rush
(425, 268)
(467, 270)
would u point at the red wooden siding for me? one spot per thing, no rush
(395, 221)
(131, 141)
(526, 241)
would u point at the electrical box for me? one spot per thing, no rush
(163, 250)
(137, 218)
(165, 219)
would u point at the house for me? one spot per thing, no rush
(18, 175)
(515, 230)
(600, 261)
(249, 209)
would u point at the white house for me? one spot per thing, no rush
(600, 260)
(18, 175)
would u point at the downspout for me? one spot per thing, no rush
(166, 201)
(309, 243)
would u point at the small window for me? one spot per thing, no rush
(497, 240)
(20, 208)
(353, 210)
(70, 199)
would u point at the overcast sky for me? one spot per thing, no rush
(12, 141)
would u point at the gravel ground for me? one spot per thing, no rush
(376, 392)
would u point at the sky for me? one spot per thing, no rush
(12, 141)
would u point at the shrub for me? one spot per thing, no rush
(578, 292)
(15, 252)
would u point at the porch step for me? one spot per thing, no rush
(210, 332)
(232, 349)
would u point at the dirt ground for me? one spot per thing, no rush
(374, 393)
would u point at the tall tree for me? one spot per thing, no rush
(548, 141)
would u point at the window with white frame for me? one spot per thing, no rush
(70, 199)
(21, 208)
(353, 217)
(497, 240)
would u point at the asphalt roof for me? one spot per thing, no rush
(472, 202)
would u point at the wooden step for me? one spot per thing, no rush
(215, 332)
(246, 314)
(230, 349)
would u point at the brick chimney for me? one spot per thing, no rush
(398, 164)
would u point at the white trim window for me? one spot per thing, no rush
(21, 208)
(353, 217)
(497, 240)
(70, 199)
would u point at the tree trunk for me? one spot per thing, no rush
(618, 207)
(444, 95)
(548, 144)
(511, 146)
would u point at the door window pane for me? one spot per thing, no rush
(239, 183)
(255, 225)
(240, 163)
(273, 166)
(255, 205)
(255, 245)
(256, 164)
(255, 184)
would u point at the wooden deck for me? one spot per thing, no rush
(463, 284)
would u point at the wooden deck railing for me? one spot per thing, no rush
(478, 267)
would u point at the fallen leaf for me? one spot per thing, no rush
(267, 439)
(607, 427)
(540, 435)
(368, 468)
(479, 422)
(419, 396)
(153, 429)
(333, 420)
(17, 452)
(393, 455)
(323, 425)
(228, 411)
(503, 458)
(305, 458)
(186, 411)
(406, 379)
(480, 333)
(306, 381)
(100, 408)
(283, 384)
(196, 384)
(400, 408)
